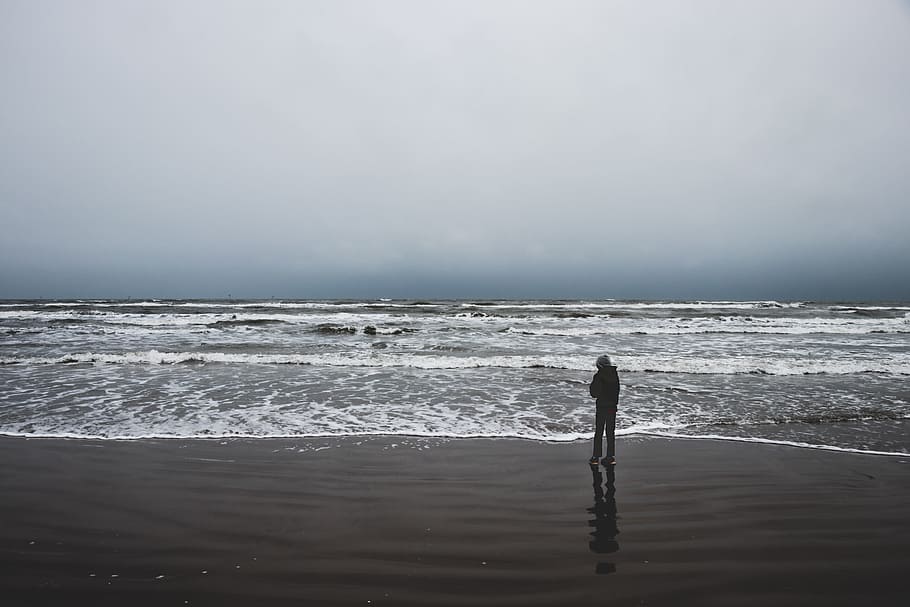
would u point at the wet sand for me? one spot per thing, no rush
(391, 521)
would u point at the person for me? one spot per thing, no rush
(605, 388)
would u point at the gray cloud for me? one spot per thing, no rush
(748, 149)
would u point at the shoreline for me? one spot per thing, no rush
(416, 521)
(620, 434)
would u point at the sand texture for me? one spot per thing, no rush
(391, 521)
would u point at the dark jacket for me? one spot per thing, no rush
(605, 387)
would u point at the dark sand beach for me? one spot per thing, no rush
(392, 521)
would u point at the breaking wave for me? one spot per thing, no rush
(253, 322)
(649, 364)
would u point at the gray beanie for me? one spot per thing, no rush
(604, 361)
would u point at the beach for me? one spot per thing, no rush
(324, 304)
(409, 521)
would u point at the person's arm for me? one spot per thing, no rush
(595, 387)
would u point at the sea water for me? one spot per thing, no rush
(819, 375)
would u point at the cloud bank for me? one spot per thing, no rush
(449, 149)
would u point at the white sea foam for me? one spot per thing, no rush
(478, 320)
(102, 403)
(196, 319)
(528, 306)
(722, 325)
(566, 437)
(897, 364)
(457, 369)
(640, 305)
(769, 441)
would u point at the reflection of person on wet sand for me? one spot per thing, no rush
(603, 537)
(605, 388)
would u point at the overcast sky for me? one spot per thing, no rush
(700, 149)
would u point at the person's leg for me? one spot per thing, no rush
(600, 420)
(611, 433)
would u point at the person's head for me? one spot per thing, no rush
(603, 361)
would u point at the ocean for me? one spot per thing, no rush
(813, 375)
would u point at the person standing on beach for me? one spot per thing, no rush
(605, 388)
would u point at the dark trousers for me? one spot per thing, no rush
(605, 423)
